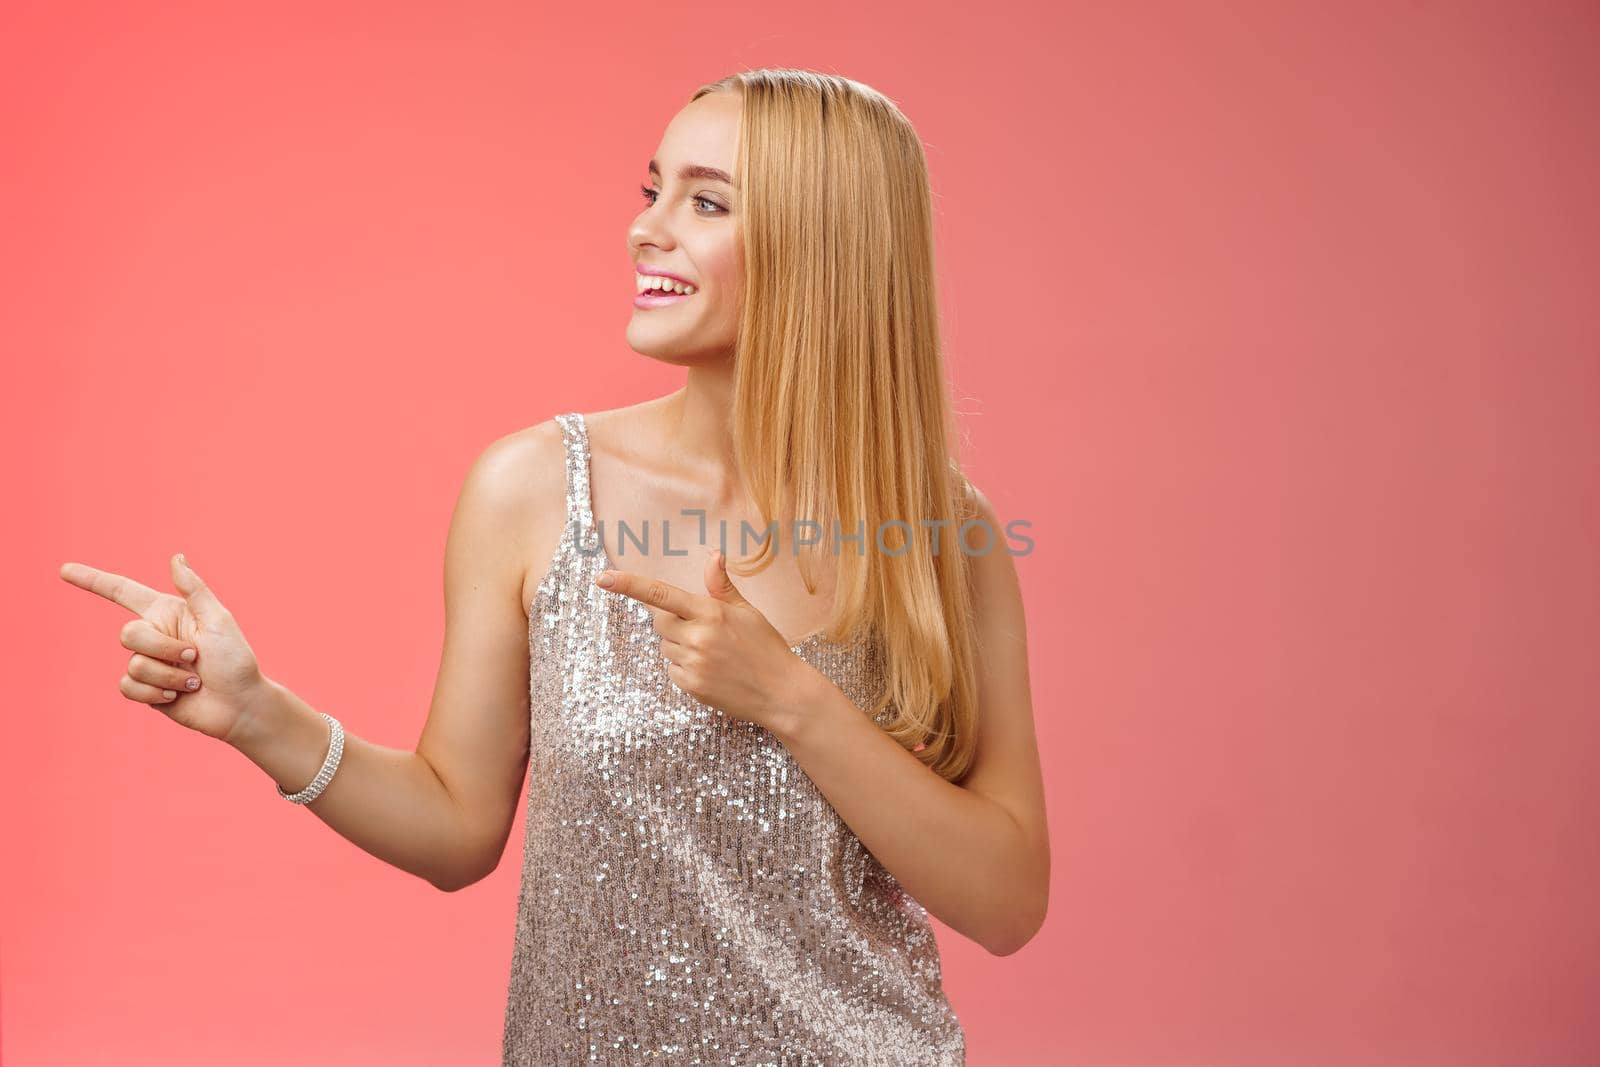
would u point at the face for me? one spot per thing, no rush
(687, 229)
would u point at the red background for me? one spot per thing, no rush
(1276, 321)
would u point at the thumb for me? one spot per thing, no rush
(718, 584)
(202, 601)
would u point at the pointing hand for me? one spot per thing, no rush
(210, 691)
(719, 648)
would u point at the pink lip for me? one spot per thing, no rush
(658, 272)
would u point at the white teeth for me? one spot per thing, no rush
(647, 283)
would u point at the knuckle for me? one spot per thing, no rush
(656, 591)
(129, 629)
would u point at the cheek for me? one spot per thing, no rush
(728, 289)
(726, 272)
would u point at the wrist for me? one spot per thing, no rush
(260, 711)
(798, 702)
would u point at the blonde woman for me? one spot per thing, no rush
(748, 780)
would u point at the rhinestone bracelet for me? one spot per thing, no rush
(329, 765)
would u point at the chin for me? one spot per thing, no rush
(676, 348)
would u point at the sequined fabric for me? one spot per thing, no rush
(688, 895)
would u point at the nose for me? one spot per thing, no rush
(648, 229)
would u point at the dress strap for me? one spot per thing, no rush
(575, 438)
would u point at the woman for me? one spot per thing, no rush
(742, 795)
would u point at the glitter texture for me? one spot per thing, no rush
(688, 895)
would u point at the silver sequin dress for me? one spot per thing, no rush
(688, 895)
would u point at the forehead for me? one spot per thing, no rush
(704, 132)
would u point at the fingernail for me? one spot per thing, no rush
(605, 578)
(189, 654)
(192, 683)
(169, 694)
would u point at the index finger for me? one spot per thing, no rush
(654, 592)
(114, 587)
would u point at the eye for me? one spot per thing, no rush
(650, 196)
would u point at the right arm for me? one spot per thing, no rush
(443, 811)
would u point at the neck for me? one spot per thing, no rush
(698, 425)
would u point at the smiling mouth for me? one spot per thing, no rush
(655, 298)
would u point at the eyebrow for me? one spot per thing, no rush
(696, 170)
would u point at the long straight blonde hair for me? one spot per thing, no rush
(841, 415)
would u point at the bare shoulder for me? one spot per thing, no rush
(521, 479)
(519, 474)
(508, 466)
(512, 504)
(996, 589)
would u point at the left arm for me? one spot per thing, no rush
(976, 855)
